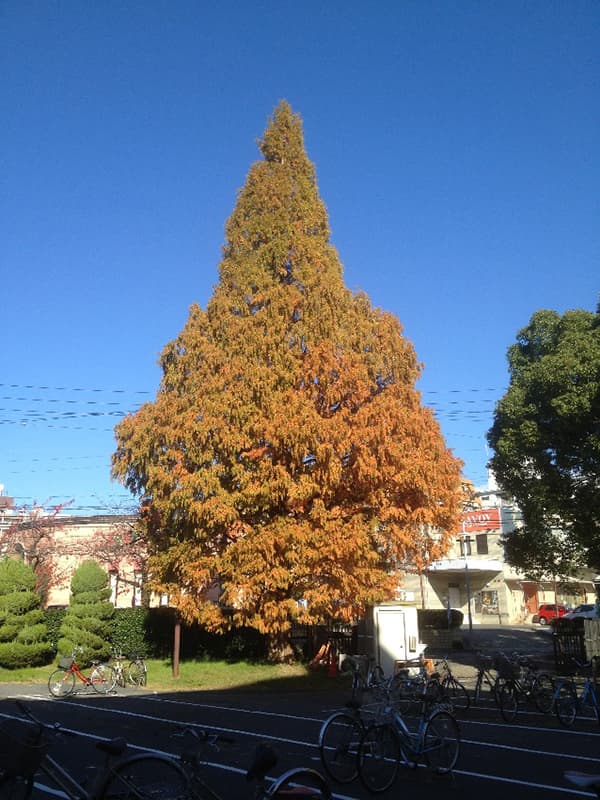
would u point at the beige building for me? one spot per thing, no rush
(475, 579)
(57, 544)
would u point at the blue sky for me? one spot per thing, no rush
(456, 147)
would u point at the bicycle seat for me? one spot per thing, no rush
(114, 747)
(265, 759)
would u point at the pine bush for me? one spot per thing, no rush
(23, 634)
(88, 620)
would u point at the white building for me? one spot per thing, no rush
(475, 579)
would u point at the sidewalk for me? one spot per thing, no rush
(531, 640)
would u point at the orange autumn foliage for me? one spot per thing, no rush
(287, 457)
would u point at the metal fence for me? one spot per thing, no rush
(575, 641)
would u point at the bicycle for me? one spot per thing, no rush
(136, 672)
(117, 660)
(485, 676)
(523, 682)
(368, 679)
(423, 690)
(341, 732)
(303, 781)
(568, 702)
(384, 746)
(61, 683)
(150, 776)
(452, 689)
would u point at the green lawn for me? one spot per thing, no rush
(207, 675)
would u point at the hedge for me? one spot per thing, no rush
(438, 619)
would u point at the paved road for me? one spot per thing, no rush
(533, 640)
(526, 759)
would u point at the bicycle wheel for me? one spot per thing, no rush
(477, 690)
(509, 702)
(103, 678)
(61, 683)
(441, 742)
(375, 687)
(137, 672)
(339, 739)
(565, 703)
(146, 777)
(484, 694)
(301, 782)
(379, 756)
(542, 692)
(456, 693)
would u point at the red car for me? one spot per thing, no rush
(547, 612)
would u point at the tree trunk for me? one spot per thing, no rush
(279, 648)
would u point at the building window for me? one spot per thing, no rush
(465, 545)
(482, 544)
(486, 602)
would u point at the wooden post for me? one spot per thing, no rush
(176, 647)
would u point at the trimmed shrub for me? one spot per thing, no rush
(88, 620)
(437, 618)
(129, 631)
(54, 618)
(23, 634)
(242, 644)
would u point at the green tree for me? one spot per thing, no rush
(88, 620)
(546, 441)
(287, 457)
(23, 634)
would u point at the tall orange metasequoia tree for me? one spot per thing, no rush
(287, 457)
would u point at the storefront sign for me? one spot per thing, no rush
(483, 519)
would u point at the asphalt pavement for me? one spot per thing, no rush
(532, 640)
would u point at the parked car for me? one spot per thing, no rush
(549, 611)
(583, 611)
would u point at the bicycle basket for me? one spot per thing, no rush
(485, 662)
(21, 750)
(65, 662)
(506, 668)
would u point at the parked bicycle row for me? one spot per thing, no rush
(24, 757)
(490, 751)
(121, 671)
(515, 683)
(511, 682)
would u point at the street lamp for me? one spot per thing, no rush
(465, 549)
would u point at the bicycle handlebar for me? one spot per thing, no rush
(55, 727)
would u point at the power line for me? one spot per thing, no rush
(459, 390)
(70, 389)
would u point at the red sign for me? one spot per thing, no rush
(483, 519)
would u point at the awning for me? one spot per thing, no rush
(459, 565)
